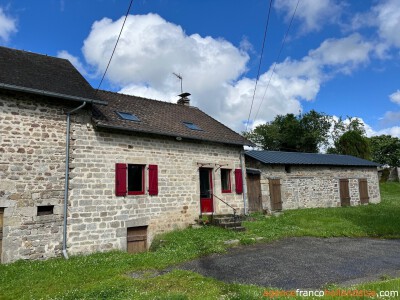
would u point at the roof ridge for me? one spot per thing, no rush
(143, 98)
(34, 53)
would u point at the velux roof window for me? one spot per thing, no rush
(192, 126)
(127, 116)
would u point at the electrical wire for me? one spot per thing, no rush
(259, 64)
(115, 47)
(277, 58)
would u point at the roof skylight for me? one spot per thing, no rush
(127, 116)
(192, 126)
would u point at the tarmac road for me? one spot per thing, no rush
(303, 262)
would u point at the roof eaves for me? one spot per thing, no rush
(50, 94)
(162, 134)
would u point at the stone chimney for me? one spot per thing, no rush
(184, 100)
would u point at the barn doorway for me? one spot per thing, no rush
(363, 187)
(275, 194)
(254, 191)
(344, 192)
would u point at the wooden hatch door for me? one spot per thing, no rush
(344, 192)
(1, 229)
(254, 192)
(206, 190)
(137, 239)
(275, 194)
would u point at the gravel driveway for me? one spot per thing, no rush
(303, 262)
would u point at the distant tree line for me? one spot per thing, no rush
(313, 131)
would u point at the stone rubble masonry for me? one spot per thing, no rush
(99, 219)
(32, 154)
(315, 186)
(32, 165)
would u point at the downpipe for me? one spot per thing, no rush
(243, 167)
(66, 186)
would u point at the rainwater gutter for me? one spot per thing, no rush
(64, 247)
(17, 88)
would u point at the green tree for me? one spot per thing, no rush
(349, 138)
(385, 149)
(301, 133)
(353, 143)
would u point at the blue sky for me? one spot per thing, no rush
(340, 57)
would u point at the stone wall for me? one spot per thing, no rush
(315, 186)
(32, 166)
(32, 154)
(99, 220)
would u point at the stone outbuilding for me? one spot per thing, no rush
(84, 170)
(291, 180)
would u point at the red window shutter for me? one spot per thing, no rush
(238, 181)
(153, 180)
(120, 179)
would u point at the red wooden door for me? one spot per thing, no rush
(206, 190)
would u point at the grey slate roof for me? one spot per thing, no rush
(298, 158)
(42, 74)
(162, 118)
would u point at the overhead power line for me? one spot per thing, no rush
(259, 64)
(115, 47)
(277, 58)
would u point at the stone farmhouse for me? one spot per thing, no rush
(84, 170)
(290, 180)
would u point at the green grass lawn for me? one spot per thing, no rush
(106, 275)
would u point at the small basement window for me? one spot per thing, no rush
(45, 210)
(192, 126)
(226, 181)
(135, 179)
(127, 116)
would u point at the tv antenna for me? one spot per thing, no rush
(180, 78)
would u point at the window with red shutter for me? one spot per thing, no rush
(120, 179)
(153, 180)
(238, 181)
(136, 179)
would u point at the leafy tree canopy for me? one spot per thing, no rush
(385, 149)
(301, 133)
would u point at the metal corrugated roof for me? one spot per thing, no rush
(299, 158)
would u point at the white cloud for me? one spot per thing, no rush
(395, 97)
(8, 26)
(313, 14)
(213, 69)
(74, 60)
(151, 48)
(348, 52)
(387, 15)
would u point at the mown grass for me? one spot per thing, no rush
(106, 275)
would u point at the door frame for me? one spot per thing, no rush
(206, 203)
